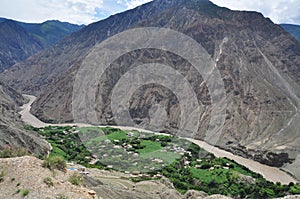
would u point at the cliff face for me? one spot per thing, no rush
(258, 61)
(12, 132)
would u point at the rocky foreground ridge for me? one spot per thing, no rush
(27, 173)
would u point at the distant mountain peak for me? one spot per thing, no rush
(293, 29)
(19, 40)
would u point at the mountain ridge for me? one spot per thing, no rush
(293, 29)
(16, 44)
(19, 40)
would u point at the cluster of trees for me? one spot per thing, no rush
(227, 184)
(221, 181)
(67, 145)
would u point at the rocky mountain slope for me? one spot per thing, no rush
(258, 61)
(16, 44)
(27, 173)
(19, 41)
(50, 32)
(293, 29)
(12, 132)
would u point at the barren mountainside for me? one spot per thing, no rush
(258, 61)
(12, 132)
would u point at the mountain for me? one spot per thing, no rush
(293, 29)
(19, 41)
(50, 32)
(2, 19)
(16, 44)
(12, 130)
(258, 62)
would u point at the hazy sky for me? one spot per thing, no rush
(87, 11)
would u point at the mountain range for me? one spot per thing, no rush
(293, 29)
(257, 59)
(19, 40)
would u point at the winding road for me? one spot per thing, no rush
(272, 174)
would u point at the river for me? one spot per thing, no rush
(272, 174)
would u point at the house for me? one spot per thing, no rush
(130, 134)
(83, 170)
(135, 173)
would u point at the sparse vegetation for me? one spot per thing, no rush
(25, 192)
(185, 164)
(61, 196)
(18, 191)
(55, 162)
(48, 181)
(76, 179)
(2, 174)
(10, 152)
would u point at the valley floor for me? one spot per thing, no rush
(272, 174)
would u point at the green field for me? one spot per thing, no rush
(184, 163)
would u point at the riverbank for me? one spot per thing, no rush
(272, 174)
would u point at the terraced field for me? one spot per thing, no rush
(150, 156)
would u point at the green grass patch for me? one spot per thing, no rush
(25, 192)
(206, 176)
(76, 179)
(295, 189)
(57, 151)
(138, 151)
(149, 146)
(96, 141)
(168, 157)
(119, 135)
(48, 181)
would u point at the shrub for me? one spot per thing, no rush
(212, 184)
(25, 192)
(76, 179)
(2, 176)
(55, 162)
(61, 196)
(48, 181)
(205, 165)
(10, 152)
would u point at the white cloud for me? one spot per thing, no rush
(134, 3)
(74, 11)
(87, 11)
(280, 11)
